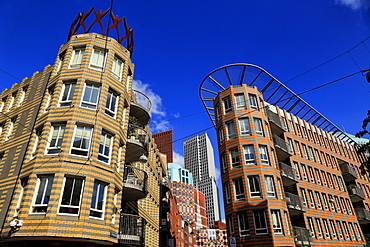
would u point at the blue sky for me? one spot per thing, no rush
(177, 43)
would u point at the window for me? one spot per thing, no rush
(98, 200)
(81, 142)
(111, 105)
(90, 98)
(10, 129)
(230, 224)
(227, 104)
(325, 200)
(339, 228)
(326, 228)
(263, 155)
(276, 221)
(323, 176)
(312, 202)
(318, 204)
(312, 229)
(352, 232)
(244, 126)
(260, 222)
(304, 148)
(68, 92)
(230, 127)
(221, 135)
(243, 224)
(297, 148)
(345, 230)
(249, 155)
(2, 104)
(49, 95)
(239, 189)
(61, 60)
(240, 102)
(234, 155)
(334, 233)
(117, 68)
(23, 94)
(12, 99)
(258, 126)
(105, 147)
(253, 101)
(270, 187)
(227, 193)
(24, 182)
(44, 184)
(303, 194)
(217, 111)
(318, 179)
(1, 129)
(36, 142)
(312, 177)
(304, 172)
(71, 198)
(97, 59)
(77, 56)
(56, 139)
(254, 186)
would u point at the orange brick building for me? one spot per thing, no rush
(290, 176)
(164, 141)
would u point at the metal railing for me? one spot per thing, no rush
(282, 144)
(295, 201)
(301, 236)
(141, 99)
(137, 134)
(275, 118)
(288, 171)
(362, 213)
(131, 229)
(135, 178)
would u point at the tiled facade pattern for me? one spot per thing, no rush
(164, 141)
(285, 181)
(64, 150)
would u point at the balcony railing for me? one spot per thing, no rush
(137, 140)
(288, 173)
(283, 149)
(356, 193)
(131, 230)
(140, 107)
(135, 183)
(349, 172)
(301, 237)
(276, 120)
(295, 203)
(363, 215)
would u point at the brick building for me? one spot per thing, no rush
(290, 176)
(78, 164)
(164, 141)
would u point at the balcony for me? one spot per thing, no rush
(137, 143)
(277, 125)
(363, 215)
(140, 107)
(301, 237)
(135, 183)
(288, 174)
(282, 149)
(348, 172)
(355, 193)
(131, 230)
(295, 204)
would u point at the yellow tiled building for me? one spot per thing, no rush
(78, 165)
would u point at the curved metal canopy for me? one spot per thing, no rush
(274, 92)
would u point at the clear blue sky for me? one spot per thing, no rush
(177, 43)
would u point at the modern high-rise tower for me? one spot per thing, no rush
(199, 160)
(164, 141)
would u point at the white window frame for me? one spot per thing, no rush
(98, 200)
(224, 162)
(49, 95)
(68, 93)
(10, 129)
(67, 204)
(245, 129)
(318, 199)
(304, 197)
(270, 186)
(55, 139)
(117, 68)
(105, 145)
(23, 184)
(326, 227)
(325, 199)
(22, 96)
(98, 59)
(37, 135)
(111, 104)
(249, 155)
(77, 56)
(276, 222)
(243, 224)
(239, 189)
(312, 176)
(258, 128)
(227, 193)
(227, 104)
(221, 135)
(43, 194)
(264, 154)
(239, 101)
(75, 149)
(230, 128)
(254, 186)
(12, 99)
(234, 157)
(90, 100)
(312, 201)
(2, 104)
(334, 232)
(261, 216)
(253, 101)
(311, 226)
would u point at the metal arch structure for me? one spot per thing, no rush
(273, 91)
